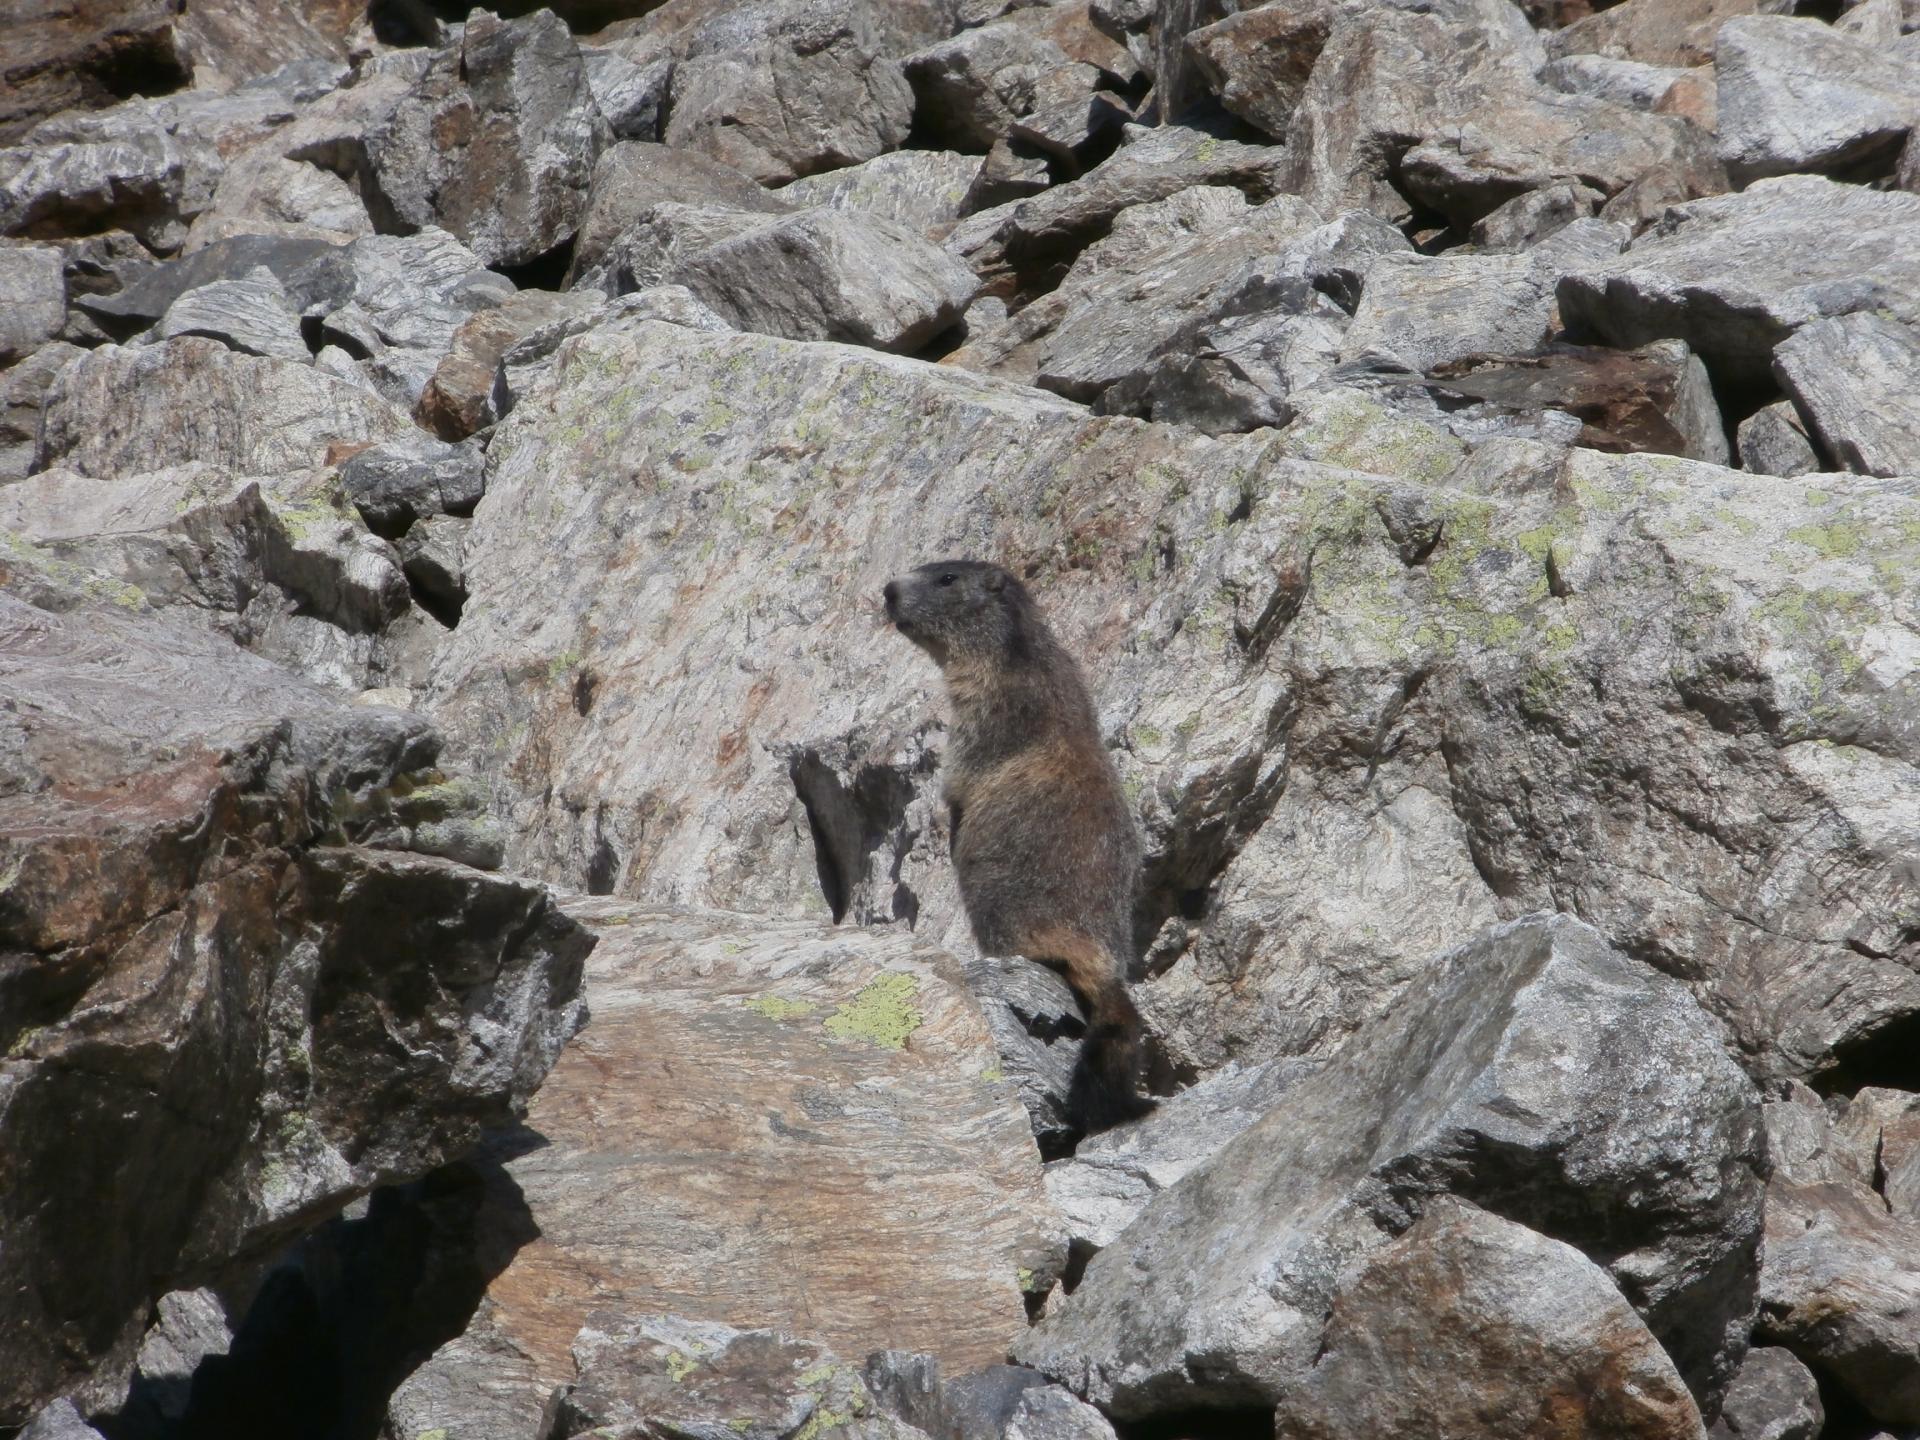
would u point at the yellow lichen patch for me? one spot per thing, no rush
(778, 1007)
(882, 1012)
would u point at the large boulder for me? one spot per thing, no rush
(1857, 380)
(223, 1023)
(82, 56)
(1535, 1072)
(496, 142)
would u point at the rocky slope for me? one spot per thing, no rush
(448, 463)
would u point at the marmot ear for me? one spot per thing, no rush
(996, 581)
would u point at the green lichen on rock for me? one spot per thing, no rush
(680, 1366)
(779, 1007)
(882, 1012)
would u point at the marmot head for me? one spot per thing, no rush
(963, 610)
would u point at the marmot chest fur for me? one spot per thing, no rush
(1043, 841)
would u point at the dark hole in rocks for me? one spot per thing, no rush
(443, 607)
(313, 333)
(1846, 1418)
(543, 272)
(148, 64)
(349, 1312)
(1889, 1057)
(849, 823)
(1249, 1423)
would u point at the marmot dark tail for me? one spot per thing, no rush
(1106, 1083)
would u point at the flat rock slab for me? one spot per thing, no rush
(1736, 274)
(770, 1123)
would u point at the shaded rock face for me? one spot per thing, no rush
(202, 979)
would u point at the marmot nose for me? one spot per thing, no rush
(892, 592)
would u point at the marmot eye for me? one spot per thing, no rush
(948, 579)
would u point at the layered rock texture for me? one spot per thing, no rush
(479, 956)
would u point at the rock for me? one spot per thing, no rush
(1392, 81)
(1257, 61)
(633, 98)
(664, 1375)
(459, 399)
(23, 394)
(1772, 1397)
(786, 88)
(270, 195)
(476, 1385)
(1423, 312)
(1838, 1286)
(495, 143)
(59, 1421)
(1102, 1188)
(1036, 1025)
(827, 275)
(1857, 379)
(1072, 123)
(1655, 399)
(968, 90)
(1736, 274)
(1657, 32)
(631, 181)
(1469, 1326)
(190, 1326)
(120, 411)
(1052, 1414)
(1458, 1098)
(398, 301)
(917, 189)
(430, 551)
(999, 1402)
(1012, 171)
(251, 315)
(855, 1076)
(228, 42)
(34, 280)
(1034, 240)
(1795, 94)
(1618, 82)
(306, 1040)
(412, 477)
(1528, 219)
(85, 56)
(1773, 441)
(1886, 1125)
(140, 295)
(82, 174)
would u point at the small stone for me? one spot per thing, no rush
(1773, 441)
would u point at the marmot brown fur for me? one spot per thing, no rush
(1042, 838)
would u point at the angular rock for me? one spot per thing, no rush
(1658, 32)
(228, 42)
(88, 174)
(406, 479)
(855, 1076)
(633, 98)
(1110, 1177)
(1422, 312)
(249, 1024)
(251, 315)
(459, 398)
(968, 90)
(1857, 379)
(999, 1402)
(190, 1326)
(59, 1421)
(1528, 219)
(1257, 61)
(1838, 1283)
(1885, 1124)
(430, 551)
(129, 298)
(785, 88)
(1772, 1397)
(826, 275)
(1037, 1026)
(1073, 123)
(1469, 1326)
(1013, 170)
(1736, 274)
(23, 394)
(1655, 399)
(272, 195)
(34, 280)
(82, 56)
(1796, 94)
(631, 181)
(1451, 1093)
(122, 411)
(398, 301)
(914, 188)
(1619, 82)
(1773, 441)
(475, 1386)
(497, 141)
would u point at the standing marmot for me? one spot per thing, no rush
(1042, 839)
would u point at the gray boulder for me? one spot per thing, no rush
(1469, 1327)
(1036, 1025)
(633, 98)
(80, 174)
(128, 294)
(406, 479)
(75, 57)
(34, 280)
(496, 142)
(302, 1019)
(998, 1402)
(1772, 1397)
(23, 394)
(1657, 32)
(783, 88)
(1736, 274)
(918, 189)
(1257, 61)
(1773, 441)
(1796, 94)
(59, 1421)
(251, 315)
(1857, 380)
(1450, 1093)
(969, 90)
(459, 398)
(828, 275)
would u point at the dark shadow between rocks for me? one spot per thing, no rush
(1888, 1057)
(1252, 1423)
(352, 1310)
